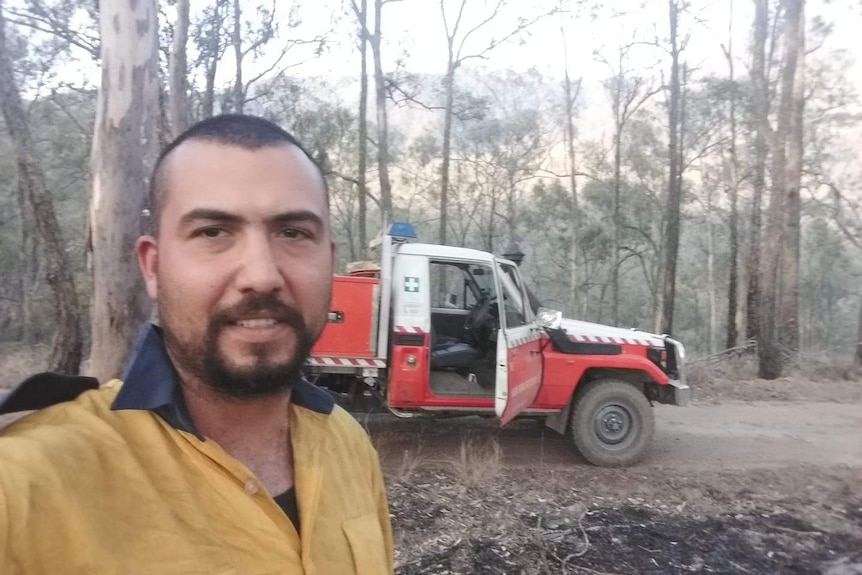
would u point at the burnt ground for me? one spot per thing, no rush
(522, 521)
(748, 480)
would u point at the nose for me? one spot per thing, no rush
(259, 267)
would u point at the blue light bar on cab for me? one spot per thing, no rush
(402, 231)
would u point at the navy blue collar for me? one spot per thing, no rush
(151, 383)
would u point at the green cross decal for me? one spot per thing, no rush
(411, 284)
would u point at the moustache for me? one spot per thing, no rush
(255, 305)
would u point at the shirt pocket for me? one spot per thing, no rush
(367, 545)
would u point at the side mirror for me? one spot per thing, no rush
(549, 318)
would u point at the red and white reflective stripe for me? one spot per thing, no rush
(346, 361)
(523, 340)
(608, 339)
(408, 329)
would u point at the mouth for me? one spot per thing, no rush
(258, 330)
(257, 323)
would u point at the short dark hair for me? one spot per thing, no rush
(240, 130)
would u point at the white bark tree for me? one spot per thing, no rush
(179, 84)
(124, 145)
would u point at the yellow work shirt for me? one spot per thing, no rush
(86, 489)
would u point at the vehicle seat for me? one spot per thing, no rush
(451, 353)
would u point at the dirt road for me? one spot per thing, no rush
(759, 435)
(755, 487)
(719, 436)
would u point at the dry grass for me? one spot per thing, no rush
(822, 367)
(410, 461)
(478, 461)
(807, 377)
(813, 366)
(400, 463)
(700, 374)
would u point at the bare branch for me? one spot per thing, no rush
(49, 26)
(495, 43)
(494, 12)
(86, 131)
(394, 87)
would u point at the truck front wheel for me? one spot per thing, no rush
(612, 423)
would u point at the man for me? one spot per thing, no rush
(214, 455)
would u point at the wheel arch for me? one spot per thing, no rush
(638, 378)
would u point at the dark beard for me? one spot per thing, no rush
(264, 378)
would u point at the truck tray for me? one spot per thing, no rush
(352, 327)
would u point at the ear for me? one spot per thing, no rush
(147, 251)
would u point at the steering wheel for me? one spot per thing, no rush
(478, 314)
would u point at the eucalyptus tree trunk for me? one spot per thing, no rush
(710, 270)
(732, 183)
(615, 247)
(788, 333)
(213, 48)
(571, 95)
(67, 344)
(362, 185)
(382, 118)
(760, 99)
(29, 271)
(179, 70)
(674, 196)
(236, 40)
(448, 114)
(124, 146)
(857, 357)
(775, 249)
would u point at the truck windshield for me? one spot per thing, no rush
(513, 296)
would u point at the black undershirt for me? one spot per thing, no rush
(287, 502)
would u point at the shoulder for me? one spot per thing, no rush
(347, 438)
(62, 431)
(345, 428)
(319, 407)
(346, 425)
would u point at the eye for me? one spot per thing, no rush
(295, 234)
(211, 233)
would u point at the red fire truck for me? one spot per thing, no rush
(430, 331)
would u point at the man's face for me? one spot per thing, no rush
(241, 269)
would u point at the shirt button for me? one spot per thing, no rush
(251, 487)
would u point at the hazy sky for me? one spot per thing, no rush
(415, 26)
(413, 33)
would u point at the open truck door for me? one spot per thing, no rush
(519, 354)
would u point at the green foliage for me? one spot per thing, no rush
(508, 176)
(60, 126)
(829, 289)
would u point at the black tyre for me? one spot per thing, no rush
(612, 423)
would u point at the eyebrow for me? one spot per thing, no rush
(214, 215)
(198, 214)
(297, 216)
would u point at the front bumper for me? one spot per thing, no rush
(678, 391)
